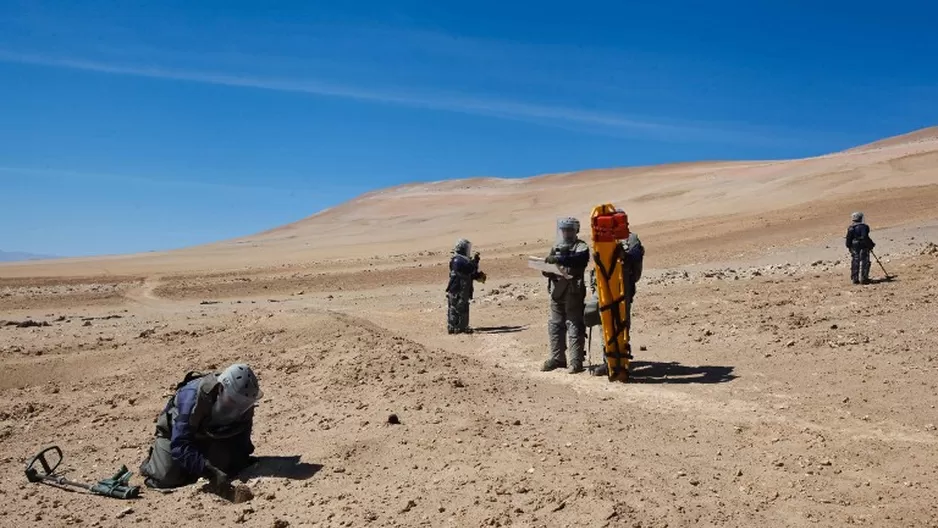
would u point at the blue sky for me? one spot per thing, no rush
(136, 126)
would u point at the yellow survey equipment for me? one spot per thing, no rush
(610, 226)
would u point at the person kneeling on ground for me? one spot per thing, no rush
(204, 430)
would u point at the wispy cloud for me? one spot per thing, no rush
(608, 124)
(143, 180)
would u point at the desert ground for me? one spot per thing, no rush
(767, 390)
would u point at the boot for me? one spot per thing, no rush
(601, 370)
(576, 367)
(551, 364)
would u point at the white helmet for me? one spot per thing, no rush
(857, 216)
(463, 247)
(567, 230)
(632, 241)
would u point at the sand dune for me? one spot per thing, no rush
(506, 212)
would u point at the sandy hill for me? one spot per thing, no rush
(895, 180)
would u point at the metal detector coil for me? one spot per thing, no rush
(117, 486)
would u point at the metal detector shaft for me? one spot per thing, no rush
(880, 264)
(116, 486)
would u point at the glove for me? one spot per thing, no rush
(217, 477)
(551, 259)
(482, 277)
(476, 257)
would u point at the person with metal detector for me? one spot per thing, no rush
(204, 430)
(859, 244)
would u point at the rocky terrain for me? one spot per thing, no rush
(767, 390)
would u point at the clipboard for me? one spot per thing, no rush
(539, 264)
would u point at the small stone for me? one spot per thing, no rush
(531, 471)
(125, 512)
(409, 506)
(826, 462)
(516, 422)
(643, 348)
(739, 472)
(394, 420)
(694, 482)
(338, 470)
(779, 464)
(930, 427)
(280, 523)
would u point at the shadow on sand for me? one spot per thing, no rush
(498, 329)
(288, 467)
(674, 372)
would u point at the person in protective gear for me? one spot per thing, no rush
(463, 270)
(567, 298)
(633, 254)
(859, 244)
(204, 430)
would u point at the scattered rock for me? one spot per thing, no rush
(208, 302)
(87, 323)
(125, 512)
(643, 348)
(394, 420)
(280, 523)
(29, 323)
(409, 506)
(146, 333)
(240, 493)
(516, 422)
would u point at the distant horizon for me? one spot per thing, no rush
(4, 254)
(135, 128)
